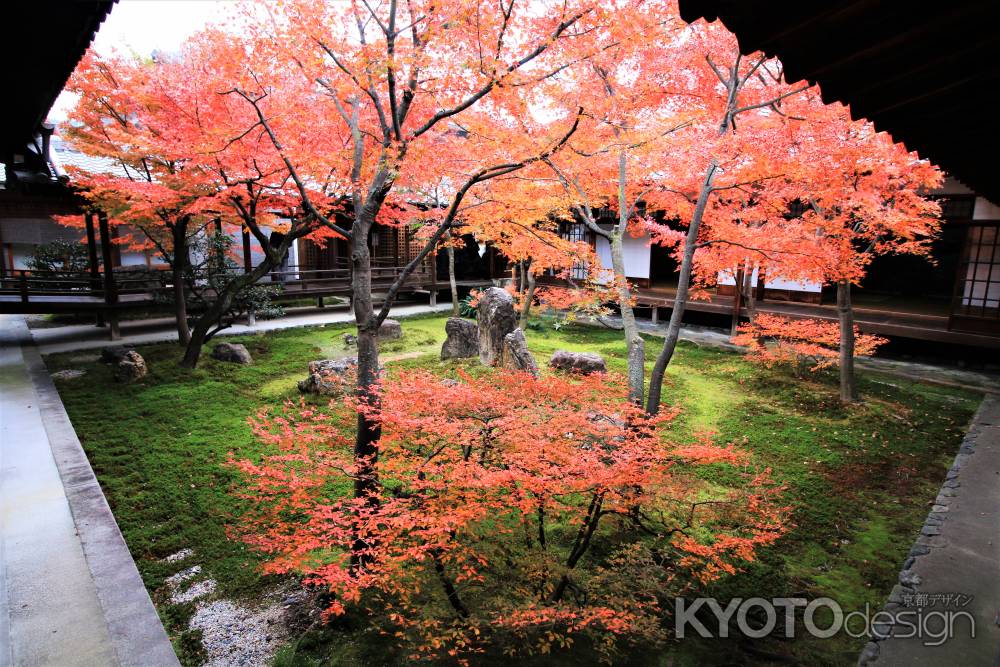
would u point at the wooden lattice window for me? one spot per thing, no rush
(978, 293)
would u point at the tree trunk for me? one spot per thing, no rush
(749, 300)
(636, 356)
(217, 308)
(528, 296)
(451, 278)
(178, 267)
(680, 300)
(845, 312)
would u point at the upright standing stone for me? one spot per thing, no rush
(516, 355)
(496, 320)
(462, 341)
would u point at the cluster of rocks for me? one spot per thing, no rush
(129, 366)
(497, 340)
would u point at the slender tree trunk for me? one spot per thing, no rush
(369, 427)
(635, 346)
(217, 308)
(451, 278)
(845, 312)
(178, 268)
(749, 300)
(528, 296)
(680, 300)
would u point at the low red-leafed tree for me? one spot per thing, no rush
(799, 343)
(509, 519)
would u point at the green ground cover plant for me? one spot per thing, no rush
(860, 479)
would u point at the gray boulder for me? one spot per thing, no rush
(390, 330)
(114, 354)
(496, 319)
(329, 376)
(462, 341)
(131, 368)
(516, 355)
(579, 362)
(232, 352)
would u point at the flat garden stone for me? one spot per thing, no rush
(114, 354)
(390, 330)
(579, 362)
(68, 374)
(236, 353)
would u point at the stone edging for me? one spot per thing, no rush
(137, 635)
(929, 537)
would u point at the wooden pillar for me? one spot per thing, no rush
(247, 251)
(759, 290)
(95, 271)
(110, 288)
(655, 315)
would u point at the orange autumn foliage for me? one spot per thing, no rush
(507, 518)
(774, 340)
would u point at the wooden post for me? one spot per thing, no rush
(95, 271)
(22, 285)
(655, 315)
(759, 290)
(110, 289)
(319, 302)
(247, 251)
(737, 301)
(432, 258)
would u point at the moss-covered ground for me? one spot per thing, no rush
(860, 478)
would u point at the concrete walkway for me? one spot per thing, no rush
(954, 567)
(987, 383)
(70, 593)
(161, 330)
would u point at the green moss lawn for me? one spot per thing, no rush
(860, 479)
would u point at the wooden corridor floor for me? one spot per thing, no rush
(918, 326)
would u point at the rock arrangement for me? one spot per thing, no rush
(462, 341)
(516, 355)
(579, 362)
(390, 330)
(328, 376)
(131, 368)
(113, 355)
(496, 319)
(232, 352)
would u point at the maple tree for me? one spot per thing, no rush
(143, 187)
(798, 342)
(187, 165)
(866, 197)
(738, 153)
(392, 99)
(512, 519)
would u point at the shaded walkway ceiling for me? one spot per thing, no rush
(927, 73)
(41, 41)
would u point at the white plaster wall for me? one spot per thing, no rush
(727, 278)
(635, 252)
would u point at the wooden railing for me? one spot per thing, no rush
(85, 286)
